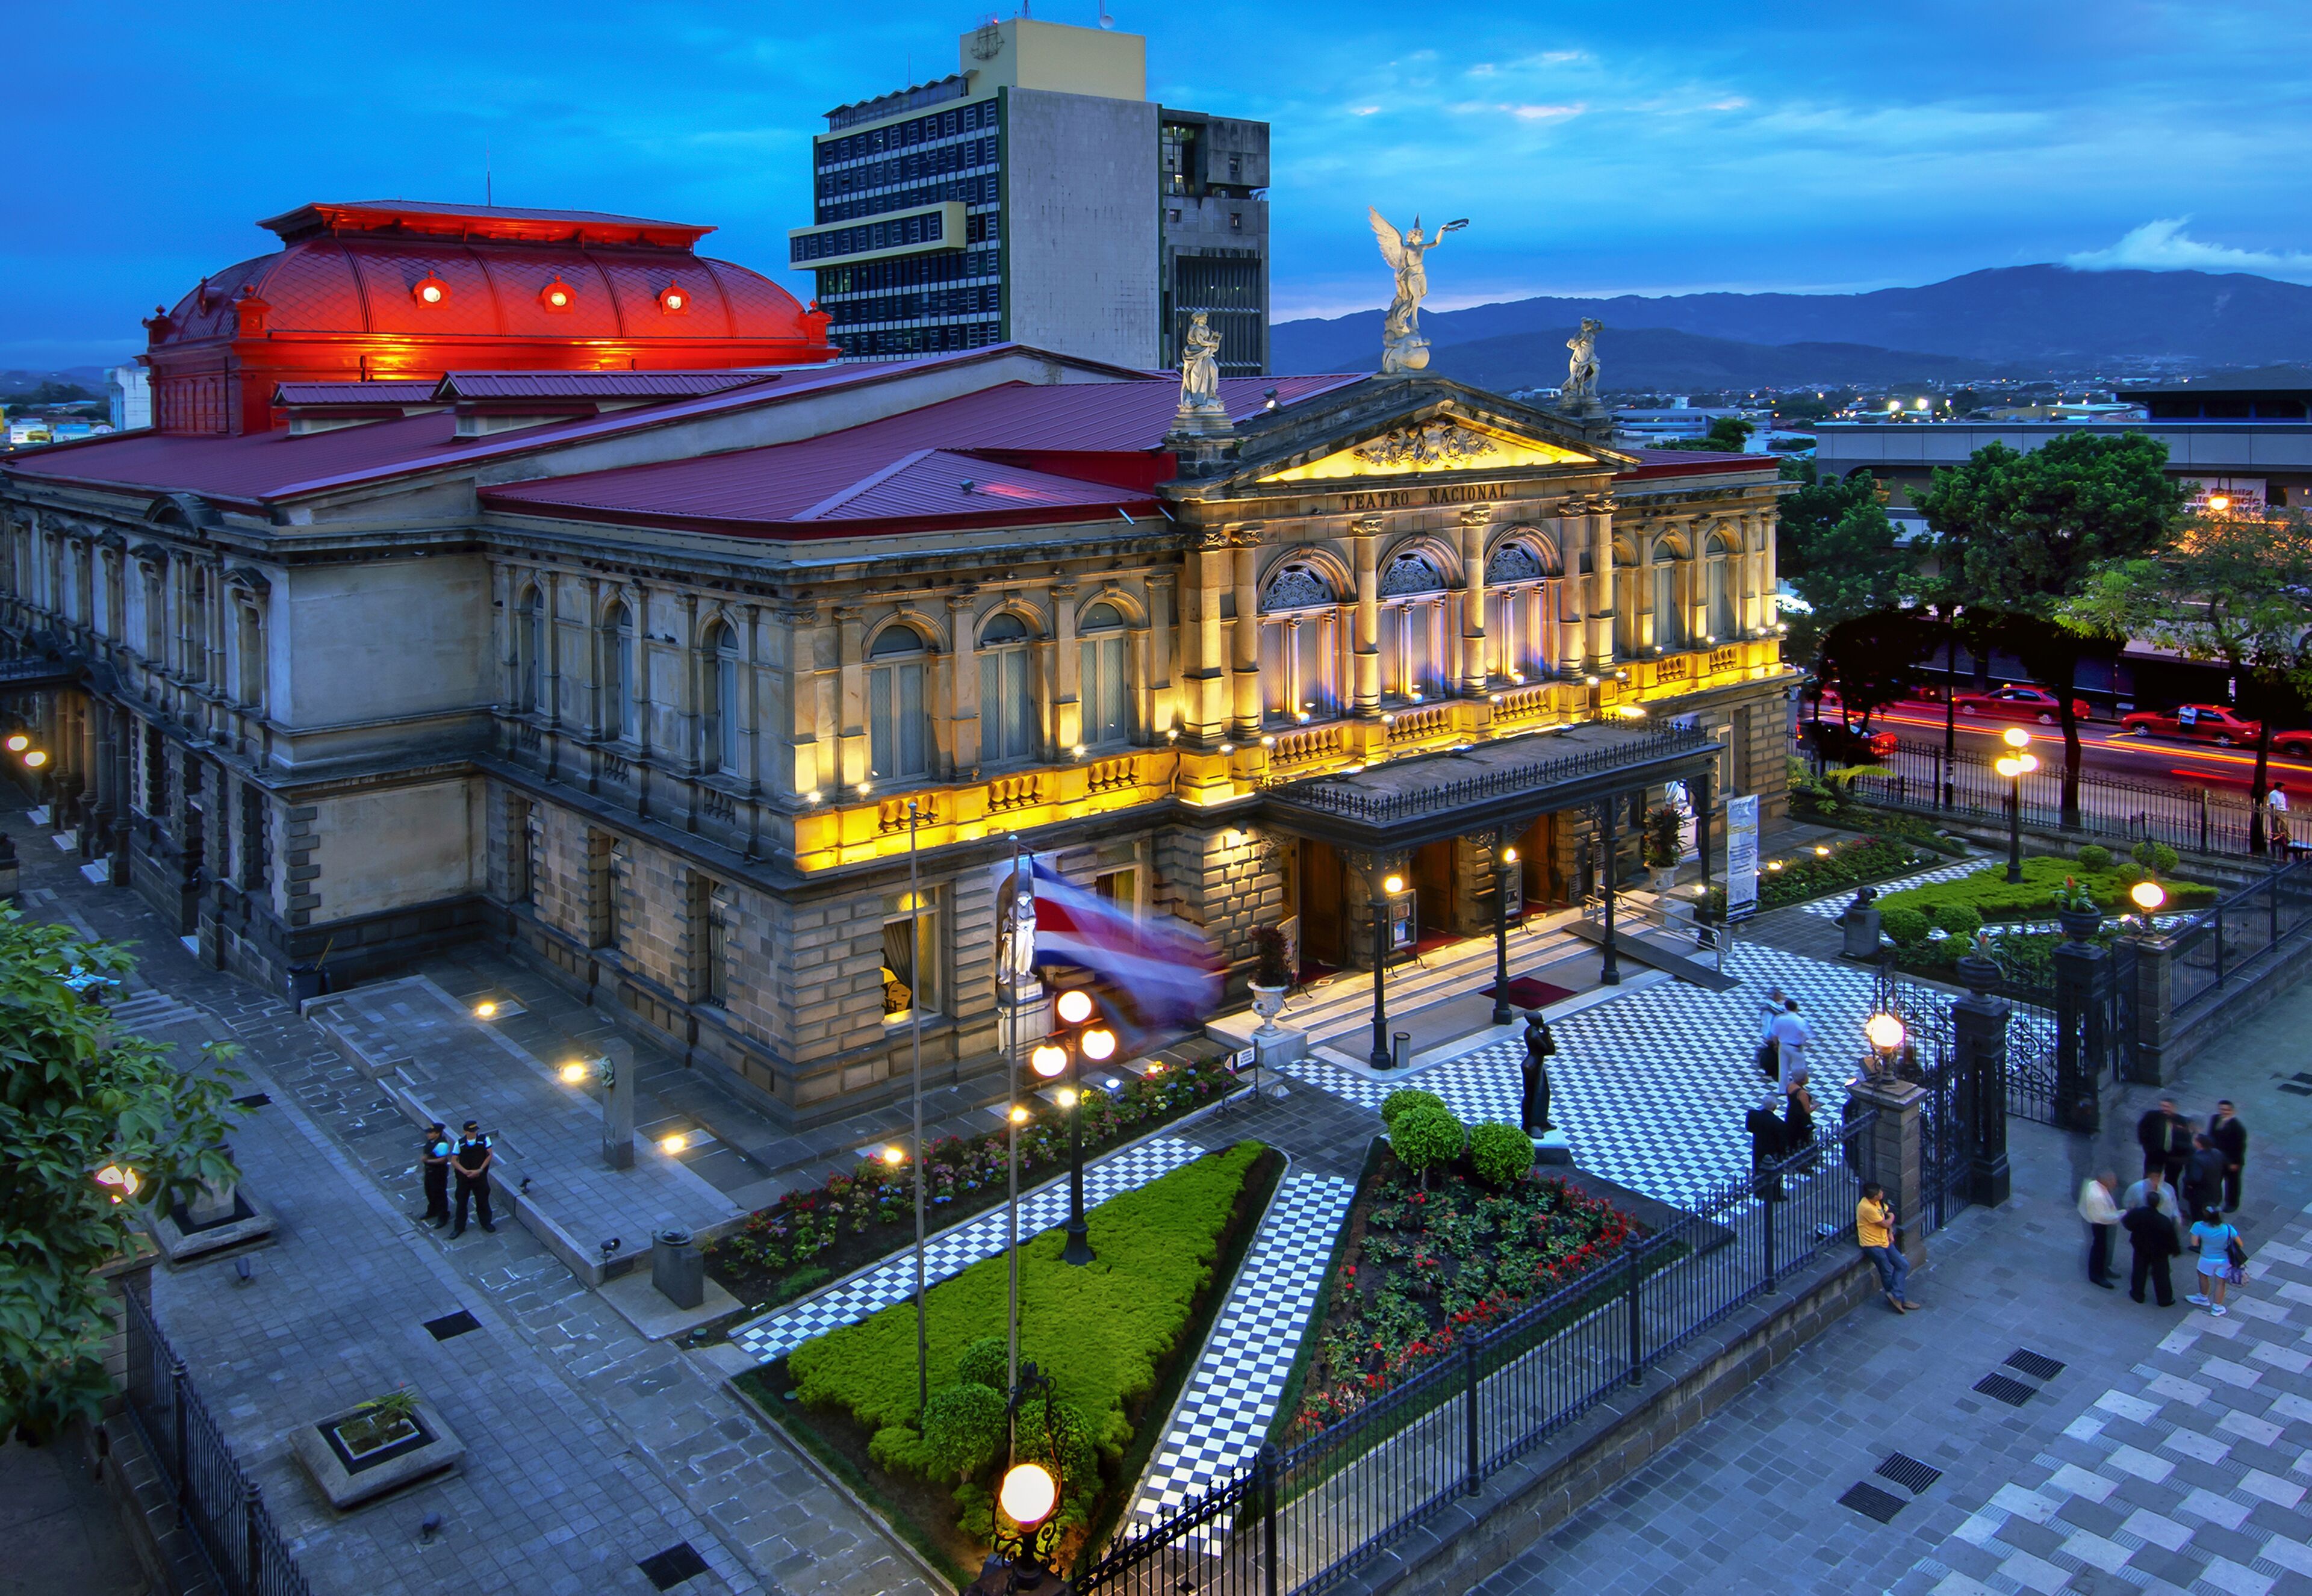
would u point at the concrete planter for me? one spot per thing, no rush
(354, 1459)
(1267, 1001)
(2080, 923)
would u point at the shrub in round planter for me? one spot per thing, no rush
(2095, 856)
(1427, 1138)
(1404, 1099)
(1955, 919)
(1905, 927)
(1500, 1153)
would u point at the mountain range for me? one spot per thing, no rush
(2024, 321)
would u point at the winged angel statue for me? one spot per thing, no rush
(1405, 349)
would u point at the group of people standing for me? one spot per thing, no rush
(2190, 1182)
(1783, 1123)
(467, 1161)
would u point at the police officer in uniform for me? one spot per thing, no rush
(434, 1159)
(470, 1162)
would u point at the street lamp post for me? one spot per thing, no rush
(2015, 766)
(915, 1044)
(1390, 886)
(1885, 1032)
(1609, 973)
(2148, 896)
(1074, 1009)
(1504, 863)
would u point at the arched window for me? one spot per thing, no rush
(1299, 644)
(1106, 688)
(1413, 650)
(898, 722)
(1522, 628)
(1669, 627)
(1007, 691)
(1722, 597)
(618, 672)
(530, 651)
(718, 698)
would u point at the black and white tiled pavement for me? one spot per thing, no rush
(1225, 1413)
(2190, 1476)
(1833, 906)
(951, 1252)
(1651, 1088)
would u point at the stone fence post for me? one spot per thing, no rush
(1979, 1027)
(1889, 1153)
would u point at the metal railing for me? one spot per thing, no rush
(2192, 818)
(1296, 1521)
(220, 1505)
(2233, 942)
(1355, 802)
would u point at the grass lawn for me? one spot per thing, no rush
(1989, 893)
(1115, 1337)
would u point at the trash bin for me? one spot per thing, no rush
(1400, 1051)
(678, 1268)
(306, 980)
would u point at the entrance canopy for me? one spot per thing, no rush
(1504, 784)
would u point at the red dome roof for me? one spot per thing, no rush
(388, 289)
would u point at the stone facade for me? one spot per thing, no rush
(679, 771)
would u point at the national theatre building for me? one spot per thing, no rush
(644, 640)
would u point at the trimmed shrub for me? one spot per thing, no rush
(1426, 1138)
(1956, 919)
(1905, 927)
(1500, 1153)
(2157, 857)
(2095, 856)
(1992, 895)
(986, 1363)
(963, 1428)
(1066, 1446)
(1406, 1098)
(2129, 873)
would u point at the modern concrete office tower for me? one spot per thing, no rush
(1036, 195)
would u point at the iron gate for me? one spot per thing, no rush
(1930, 1058)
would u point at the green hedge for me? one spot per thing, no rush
(1989, 893)
(1099, 1331)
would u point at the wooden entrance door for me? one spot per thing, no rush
(1438, 888)
(1324, 906)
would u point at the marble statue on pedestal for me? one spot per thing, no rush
(1581, 366)
(1202, 411)
(1404, 349)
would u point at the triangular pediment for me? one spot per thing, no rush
(1429, 446)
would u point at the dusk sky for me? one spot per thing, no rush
(1647, 148)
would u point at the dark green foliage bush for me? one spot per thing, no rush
(1406, 1098)
(1426, 1137)
(1992, 895)
(2095, 856)
(2157, 857)
(964, 1428)
(1905, 927)
(1959, 919)
(1500, 1153)
(985, 1361)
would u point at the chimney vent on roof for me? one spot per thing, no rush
(966, 486)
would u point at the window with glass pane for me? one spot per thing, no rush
(911, 959)
(1721, 599)
(1104, 690)
(529, 648)
(618, 670)
(899, 731)
(1007, 692)
(1312, 665)
(718, 700)
(1668, 633)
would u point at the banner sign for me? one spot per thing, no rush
(1741, 857)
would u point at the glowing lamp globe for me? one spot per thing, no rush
(1509, 856)
(19, 742)
(1075, 1007)
(894, 1156)
(2148, 896)
(2016, 737)
(1885, 1031)
(1393, 885)
(1028, 1495)
(1099, 1044)
(2009, 767)
(1048, 1060)
(573, 1073)
(35, 758)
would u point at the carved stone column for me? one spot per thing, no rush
(1600, 519)
(851, 751)
(1473, 524)
(750, 691)
(963, 725)
(801, 767)
(1163, 707)
(1366, 658)
(1245, 661)
(1573, 593)
(1203, 673)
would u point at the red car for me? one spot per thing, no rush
(2212, 722)
(2019, 704)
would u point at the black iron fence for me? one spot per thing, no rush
(1298, 1521)
(221, 1506)
(1965, 784)
(2232, 944)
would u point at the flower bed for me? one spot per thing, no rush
(1422, 1269)
(808, 1238)
(1115, 1337)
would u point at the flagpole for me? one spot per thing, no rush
(916, 1037)
(1011, 1132)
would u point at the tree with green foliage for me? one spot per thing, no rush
(1426, 1138)
(2231, 589)
(1871, 661)
(2022, 533)
(1727, 435)
(73, 1102)
(1835, 546)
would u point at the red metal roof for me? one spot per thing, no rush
(587, 385)
(1692, 462)
(353, 393)
(475, 221)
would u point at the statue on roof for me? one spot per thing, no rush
(1404, 349)
(1582, 368)
(1200, 371)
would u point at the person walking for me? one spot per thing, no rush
(433, 1161)
(2231, 1137)
(2277, 842)
(2102, 1214)
(1770, 1012)
(2152, 1242)
(2166, 1137)
(2213, 1240)
(1876, 1232)
(1797, 1123)
(2203, 1176)
(1791, 1035)
(470, 1162)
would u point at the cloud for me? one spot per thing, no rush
(2163, 246)
(1524, 113)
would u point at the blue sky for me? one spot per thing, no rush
(1646, 147)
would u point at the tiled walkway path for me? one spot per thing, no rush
(1224, 1412)
(1651, 1089)
(2191, 1475)
(951, 1252)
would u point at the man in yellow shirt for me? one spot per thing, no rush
(1874, 1230)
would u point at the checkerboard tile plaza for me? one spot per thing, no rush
(1232, 1397)
(951, 1252)
(1651, 1089)
(2196, 1471)
(1833, 906)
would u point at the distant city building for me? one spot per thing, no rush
(1038, 195)
(130, 389)
(1682, 421)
